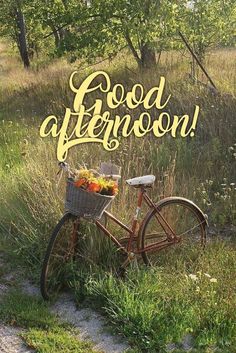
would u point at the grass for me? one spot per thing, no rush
(55, 341)
(151, 307)
(26, 311)
(158, 306)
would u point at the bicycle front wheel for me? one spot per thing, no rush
(59, 256)
(187, 222)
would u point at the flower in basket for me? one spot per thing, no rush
(108, 187)
(80, 182)
(94, 186)
(87, 180)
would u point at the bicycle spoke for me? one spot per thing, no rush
(175, 220)
(59, 255)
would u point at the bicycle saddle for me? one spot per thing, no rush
(142, 180)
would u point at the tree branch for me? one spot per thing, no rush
(68, 24)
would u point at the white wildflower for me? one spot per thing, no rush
(193, 277)
(207, 275)
(213, 280)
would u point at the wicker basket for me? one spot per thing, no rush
(85, 204)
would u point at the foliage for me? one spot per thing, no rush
(99, 28)
(210, 23)
(110, 25)
(35, 31)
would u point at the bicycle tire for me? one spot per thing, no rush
(66, 255)
(182, 204)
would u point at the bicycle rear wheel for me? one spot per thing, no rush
(59, 256)
(187, 222)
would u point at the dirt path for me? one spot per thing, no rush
(91, 325)
(10, 342)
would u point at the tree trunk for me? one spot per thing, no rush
(22, 44)
(148, 56)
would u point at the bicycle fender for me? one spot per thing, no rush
(187, 201)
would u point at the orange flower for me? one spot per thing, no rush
(80, 182)
(115, 189)
(94, 187)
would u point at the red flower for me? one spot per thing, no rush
(80, 182)
(94, 187)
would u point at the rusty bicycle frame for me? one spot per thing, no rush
(171, 237)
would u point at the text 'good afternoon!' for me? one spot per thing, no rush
(94, 116)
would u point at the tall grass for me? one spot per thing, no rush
(29, 196)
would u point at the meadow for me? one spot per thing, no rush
(191, 295)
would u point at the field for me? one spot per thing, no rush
(192, 295)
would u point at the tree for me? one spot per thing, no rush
(21, 33)
(102, 27)
(20, 22)
(210, 23)
(52, 15)
(13, 24)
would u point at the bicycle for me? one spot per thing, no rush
(168, 223)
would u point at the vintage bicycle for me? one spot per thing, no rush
(170, 222)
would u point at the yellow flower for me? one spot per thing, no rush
(85, 173)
